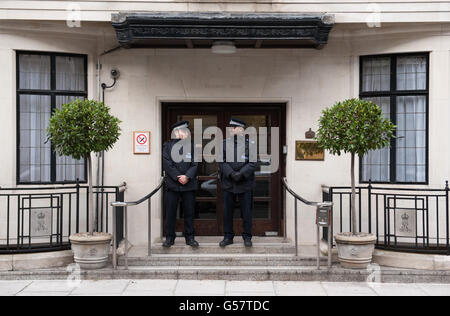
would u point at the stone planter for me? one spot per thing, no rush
(355, 252)
(91, 252)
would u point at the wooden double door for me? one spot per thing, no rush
(209, 203)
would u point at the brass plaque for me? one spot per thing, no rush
(308, 150)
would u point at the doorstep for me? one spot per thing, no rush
(237, 273)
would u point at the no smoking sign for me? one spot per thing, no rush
(141, 142)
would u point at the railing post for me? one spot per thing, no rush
(369, 193)
(149, 227)
(330, 239)
(318, 242)
(114, 259)
(284, 212)
(296, 227)
(447, 216)
(332, 216)
(126, 236)
(78, 206)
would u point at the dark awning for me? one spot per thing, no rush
(200, 30)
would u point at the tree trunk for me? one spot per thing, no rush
(91, 198)
(353, 202)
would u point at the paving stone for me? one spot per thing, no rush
(299, 289)
(52, 286)
(250, 287)
(394, 289)
(194, 287)
(251, 294)
(348, 289)
(43, 293)
(105, 287)
(152, 285)
(435, 289)
(8, 288)
(148, 293)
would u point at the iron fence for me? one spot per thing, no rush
(39, 219)
(403, 219)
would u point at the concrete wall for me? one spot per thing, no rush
(307, 80)
(347, 11)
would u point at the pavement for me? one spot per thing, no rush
(215, 288)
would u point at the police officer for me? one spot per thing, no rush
(237, 176)
(181, 183)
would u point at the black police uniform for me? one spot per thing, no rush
(176, 191)
(234, 188)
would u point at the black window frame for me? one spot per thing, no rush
(53, 93)
(393, 93)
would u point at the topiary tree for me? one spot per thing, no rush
(80, 128)
(354, 126)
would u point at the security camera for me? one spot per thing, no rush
(115, 74)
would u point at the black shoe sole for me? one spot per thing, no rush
(224, 246)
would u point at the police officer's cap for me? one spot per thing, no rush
(180, 125)
(237, 123)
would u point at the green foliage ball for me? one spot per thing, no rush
(354, 126)
(83, 127)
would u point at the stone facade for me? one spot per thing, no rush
(307, 80)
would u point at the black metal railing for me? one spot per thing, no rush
(403, 219)
(297, 198)
(39, 219)
(124, 206)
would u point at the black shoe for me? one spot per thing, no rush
(168, 243)
(193, 243)
(226, 242)
(248, 243)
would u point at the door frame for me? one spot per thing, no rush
(242, 107)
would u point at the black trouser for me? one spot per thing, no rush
(188, 207)
(246, 202)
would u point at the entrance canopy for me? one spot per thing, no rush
(201, 30)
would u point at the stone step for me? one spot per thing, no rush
(210, 245)
(263, 273)
(211, 260)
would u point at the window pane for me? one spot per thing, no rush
(376, 164)
(411, 139)
(34, 150)
(67, 168)
(70, 74)
(34, 72)
(376, 74)
(412, 73)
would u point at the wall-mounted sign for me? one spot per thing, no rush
(141, 142)
(308, 150)
(323, 216)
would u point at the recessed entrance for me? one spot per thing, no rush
(209, 205)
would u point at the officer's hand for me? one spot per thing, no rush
(183, 179)
(236, 176)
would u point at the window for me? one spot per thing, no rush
(399, 85)
(45, 82)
